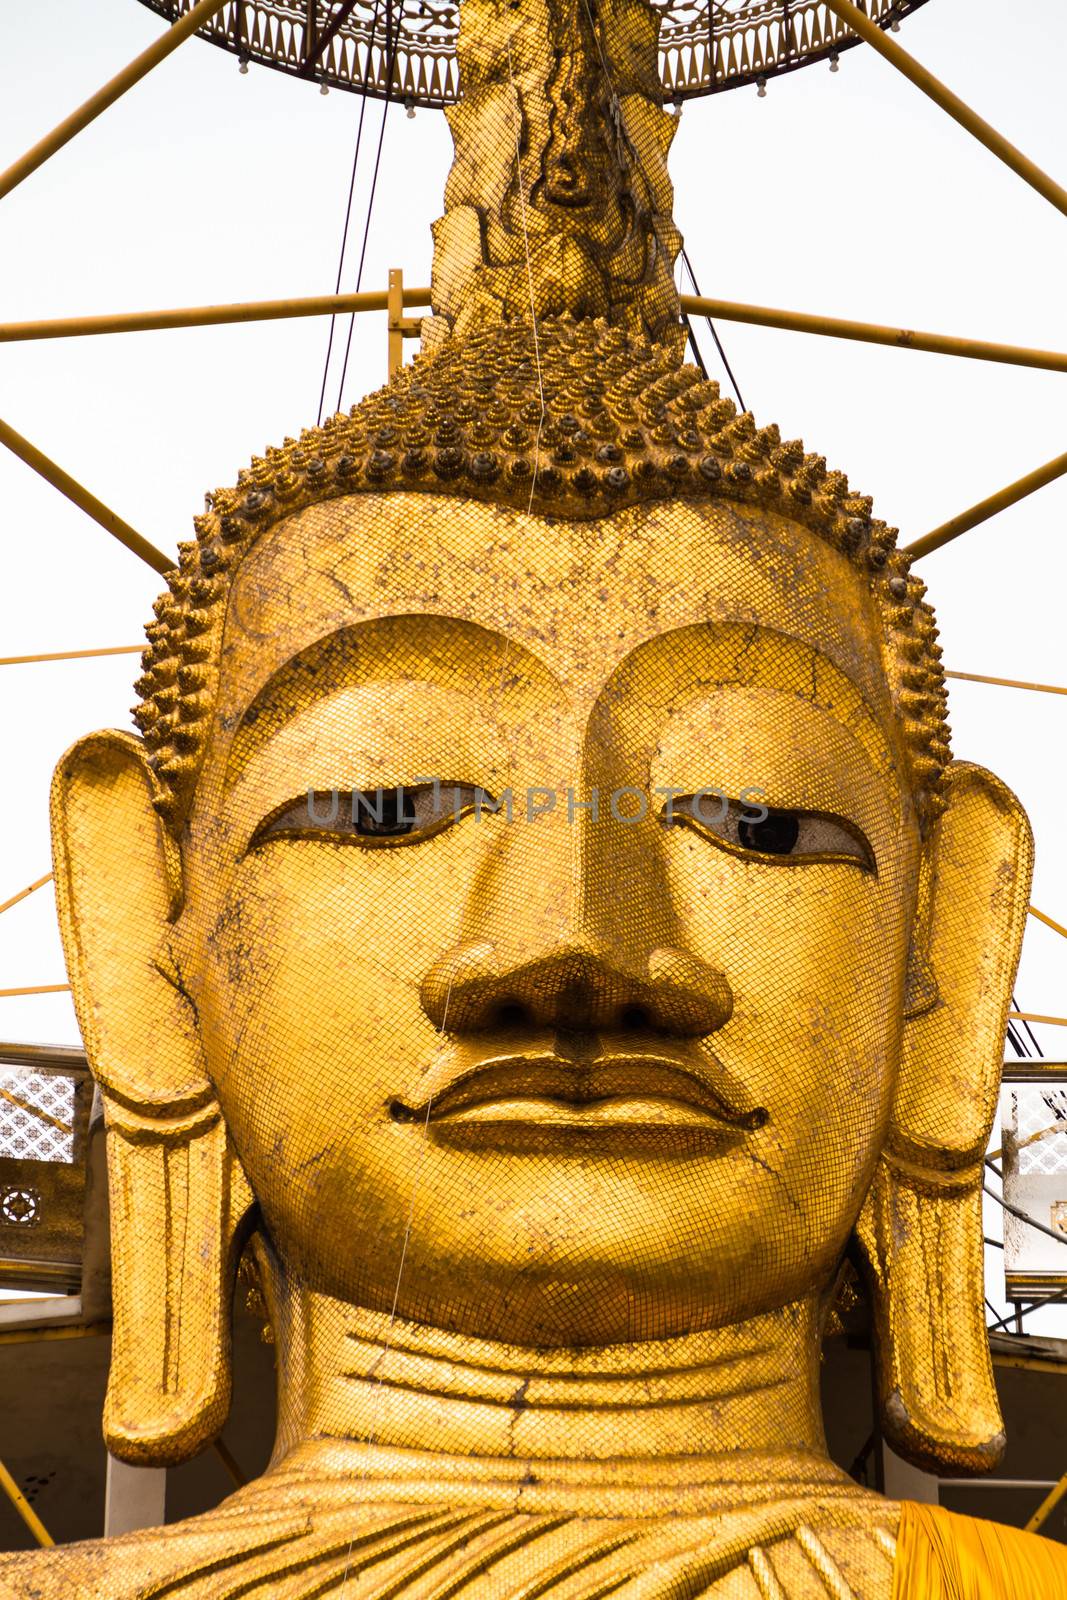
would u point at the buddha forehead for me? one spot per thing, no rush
(580, 595)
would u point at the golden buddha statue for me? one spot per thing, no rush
(543, 925)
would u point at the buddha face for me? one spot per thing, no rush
(548, 900)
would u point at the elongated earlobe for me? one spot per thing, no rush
(921, 1234)
(178, 1203)
(178, 1196)
(920, 1231)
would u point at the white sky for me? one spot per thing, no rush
(848, 193)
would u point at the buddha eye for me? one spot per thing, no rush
(748, 829)
(404, 814)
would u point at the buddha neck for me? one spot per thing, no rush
(737, 1403)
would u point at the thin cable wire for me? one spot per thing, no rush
(363, 252)
(620, 128)
(1023, 1216)
(393, 39)
(1029, 1031)
(348, 207)
(372, 1437)
(692, 338)
(714, 334)
(387, 1342)
(507, 645)
(529, 276)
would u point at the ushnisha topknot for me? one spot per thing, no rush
(590, 420)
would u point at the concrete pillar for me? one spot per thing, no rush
(96, 1249)
(135, 1498)
(905, 1482)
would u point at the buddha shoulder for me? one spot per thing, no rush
(421, 1551)
(194, 1558)
(212, 1557)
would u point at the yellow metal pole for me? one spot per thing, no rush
(378, 300)
(319, 305)
(237, 1477)
(1057, 927)
(940, 344)
(401, 327)
(83, 499)
(1003, 683)
(40, 988)
(1031, 1138)
(24, 1509)
(395, 353)
(138, 68)
(15, 898)
(75, 1330)
(988, 508)
(1047, 1506)
(958, 109)
(78, 655)
(1028, 1363)
(34, 1111)
(1035, 1016)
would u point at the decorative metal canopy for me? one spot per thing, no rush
(405, 49)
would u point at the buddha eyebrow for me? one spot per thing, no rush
(300, 682)
(740, 667)
(291, 689)
(883, 771)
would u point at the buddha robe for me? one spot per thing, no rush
(320, 1541)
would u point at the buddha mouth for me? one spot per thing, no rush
(543, 1098)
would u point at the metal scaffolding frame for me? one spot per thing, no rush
(857, 26)
(396, 298)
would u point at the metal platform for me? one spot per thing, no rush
(407, 52)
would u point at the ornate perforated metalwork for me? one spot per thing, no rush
(36, 1115)
(1040, 1130)
(408, 51)
(20, 1207)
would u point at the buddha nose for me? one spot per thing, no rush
(575, 987)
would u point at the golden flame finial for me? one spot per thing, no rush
(558, 201)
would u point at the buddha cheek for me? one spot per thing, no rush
(308, 996)
(815, 957)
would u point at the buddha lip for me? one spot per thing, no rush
(549, 1077)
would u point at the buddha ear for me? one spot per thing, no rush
(921, 1225)
(178, 1195)
(977, 867)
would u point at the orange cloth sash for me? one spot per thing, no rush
(942, 1556)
